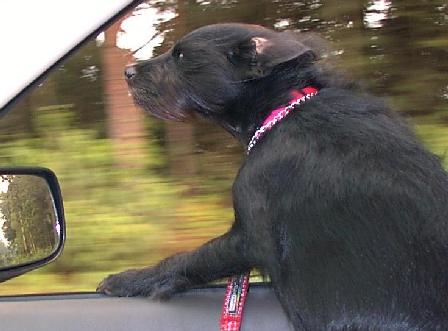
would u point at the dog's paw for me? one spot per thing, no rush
(144, 282)
(124, 284)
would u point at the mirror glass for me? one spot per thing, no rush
(29, 228)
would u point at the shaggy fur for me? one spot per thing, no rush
(339, 203)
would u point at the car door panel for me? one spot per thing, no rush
(197, 309)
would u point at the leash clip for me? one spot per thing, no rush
(235, 298)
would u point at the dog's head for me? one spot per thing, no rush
(211, 68)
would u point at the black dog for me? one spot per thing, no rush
(339, 202)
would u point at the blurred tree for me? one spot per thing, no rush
(4, 254)
(29, 216)
(8, 231)
(125, 125)
(79, 82)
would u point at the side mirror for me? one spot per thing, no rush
(32, 226)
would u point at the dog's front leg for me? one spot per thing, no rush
(218, 258)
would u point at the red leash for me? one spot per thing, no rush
(232, 311)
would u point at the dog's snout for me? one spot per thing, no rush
(130, 72)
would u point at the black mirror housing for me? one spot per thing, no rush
(50, 219)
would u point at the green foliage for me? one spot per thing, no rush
(116, 217)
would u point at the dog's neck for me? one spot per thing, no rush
(259, 97)
(297, 98)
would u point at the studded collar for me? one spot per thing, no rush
(297, 97)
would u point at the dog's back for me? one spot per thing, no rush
(359, 210)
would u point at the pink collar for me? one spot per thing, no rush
(298, 97)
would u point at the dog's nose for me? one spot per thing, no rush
(130, 72)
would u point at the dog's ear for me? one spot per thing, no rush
(260, 54)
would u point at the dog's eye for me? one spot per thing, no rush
(177, 54)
